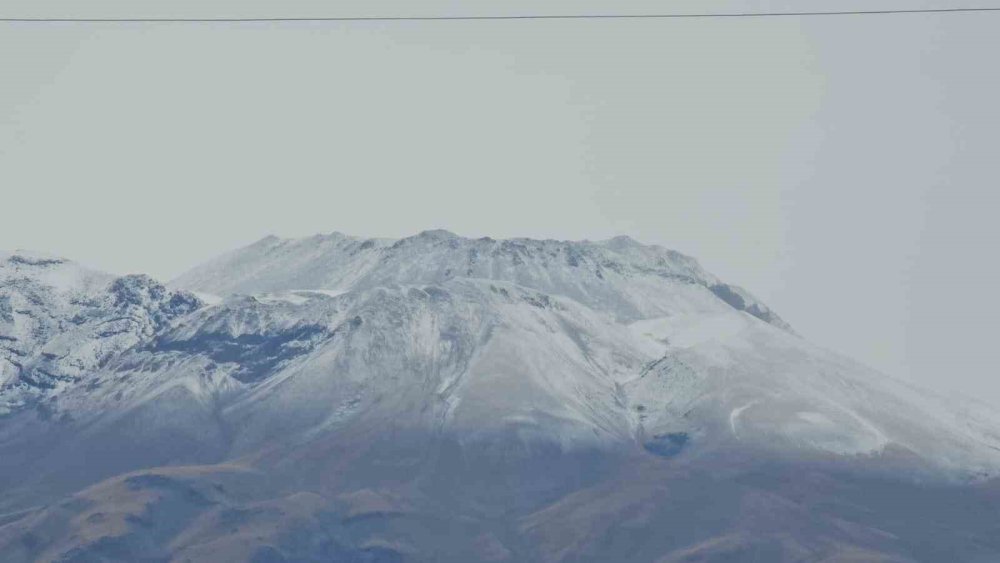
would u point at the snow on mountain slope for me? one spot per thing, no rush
(573, 344)
(679, 358)
(373, 395)
(60, 321)
(619, 276)
(482, 361)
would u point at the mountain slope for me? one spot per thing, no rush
(60, 321)
(445, 399)
(660, 336)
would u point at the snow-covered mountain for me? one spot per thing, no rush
(59, 322)
(442, 398)
(618, 276)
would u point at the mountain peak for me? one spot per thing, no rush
(623, 240)
(619, 276)
(26, 258)
(437, 234)
(347, 390)
(52, 273)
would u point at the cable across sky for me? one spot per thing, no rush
(495, 17)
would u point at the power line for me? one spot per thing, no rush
(510, 17)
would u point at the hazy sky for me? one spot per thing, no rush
(845, 169)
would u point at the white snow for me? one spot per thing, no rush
(734, 415)
(686, 330)
(576, 344)
(208, 298)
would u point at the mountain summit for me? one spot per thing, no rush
(438, 398)
(618, 276)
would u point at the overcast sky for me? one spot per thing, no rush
(845, 169)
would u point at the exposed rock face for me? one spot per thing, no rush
(60, 322)
(438, 398)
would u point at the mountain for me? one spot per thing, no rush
(438, 398)
(59, 322)
(618, 276)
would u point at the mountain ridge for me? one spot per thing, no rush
(361, 399)
(365, 261)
